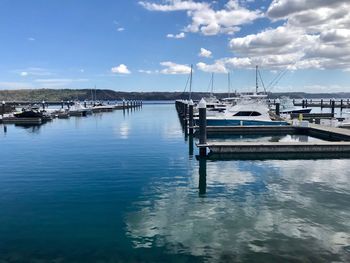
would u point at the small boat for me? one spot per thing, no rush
(78, 110)
(99, 107)
(28, 113)
(287, 107)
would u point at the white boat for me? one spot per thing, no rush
(99, 107)
(247, 112)
(78, 110)
(287, 107)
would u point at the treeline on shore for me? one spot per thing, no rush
(38, 95)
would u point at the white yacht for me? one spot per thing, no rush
(247, 112)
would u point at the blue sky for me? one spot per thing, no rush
(149, 45)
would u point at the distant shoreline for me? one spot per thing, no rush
(104, 94)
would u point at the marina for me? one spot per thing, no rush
(175, 131)
(338, 138)
(129, 188)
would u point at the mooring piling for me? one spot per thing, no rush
(278, 107)
(202, 184)
(202, 106)
(190, 117)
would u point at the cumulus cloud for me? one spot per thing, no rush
(314, 34)
(205, 19)
(205, 53)
(121, 69)
(177, 36)
(120, 29)
(173, 68)
(284, 8)
(217, 67)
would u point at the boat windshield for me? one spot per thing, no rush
(247, 113)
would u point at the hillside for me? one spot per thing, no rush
(87, 94)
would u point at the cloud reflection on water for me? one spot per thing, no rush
(274, 207)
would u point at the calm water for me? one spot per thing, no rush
(115, 188)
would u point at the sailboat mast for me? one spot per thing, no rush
(212, 83)
(190, 95)
(256, 79)
(229, 84)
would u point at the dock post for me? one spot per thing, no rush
(321, 104)
(62, 104)
(341, 104)
(303, 104)
(202, 185)
(123, 104)
(202, 106)
(3, 107)
(190, 115)
(84, 103)
(293, 101)
(68, 104)
(43, 104)
(278, 103)
(306, 103)
(333, 106)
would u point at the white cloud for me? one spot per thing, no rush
(217, 67)
(31, 39)
(174, 5)
(121, 69)
(148, 71)
(120, 29)
(173, 68)
(205, 53)
(177, 36)
(315, 35)
(284, 8)
(205, 19)
(33, 71)
(24, 73)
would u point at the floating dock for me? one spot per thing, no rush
(336, 144)
(338, 141)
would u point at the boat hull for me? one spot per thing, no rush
(228, 122)
(305, 110)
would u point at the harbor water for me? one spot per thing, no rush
(127, 187)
